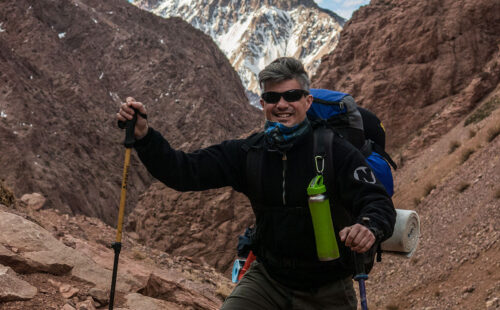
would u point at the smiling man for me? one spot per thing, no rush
(287, 273)
(285, 102)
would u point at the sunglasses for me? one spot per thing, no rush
(291, 95)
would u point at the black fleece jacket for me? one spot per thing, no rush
(285, 234)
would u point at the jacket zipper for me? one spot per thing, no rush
(283, 158)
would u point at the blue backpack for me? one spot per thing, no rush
(361, 127)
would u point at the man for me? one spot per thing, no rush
(287, 274)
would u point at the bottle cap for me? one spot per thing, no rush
(316, 186)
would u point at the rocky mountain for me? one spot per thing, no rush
(434, 59)
(252, 33)
(54, 55)
(66, 66)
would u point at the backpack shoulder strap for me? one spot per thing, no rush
(367, 148)
(255, 154)
(322, 146)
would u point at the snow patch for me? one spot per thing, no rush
(1, 29)
(115, 97)
(2, 114)
(101, 76)
(62, 35)
(251, 39)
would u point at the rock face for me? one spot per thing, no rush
(39, 251)
(254, 33)
(79, 270)
(65, 66)
(203, 226)
(435, 59)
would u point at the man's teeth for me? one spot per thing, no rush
(285, 115)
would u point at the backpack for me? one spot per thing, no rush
(339, 111)
(362, 128)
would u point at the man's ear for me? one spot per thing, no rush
(262, 103)
(309, 101)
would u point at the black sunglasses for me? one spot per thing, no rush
(289, 95)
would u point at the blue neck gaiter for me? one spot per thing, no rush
(280, 135)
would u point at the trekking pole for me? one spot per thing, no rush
(117, 245)
(361, 276)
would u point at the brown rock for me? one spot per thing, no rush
(41, 252)
(55, 283)
(12, 288)
(34, 201)
(138, 301)
(68, 291)
(493, 304)
(175, 292)
(100, 295)
(23, 264)
(86, 305)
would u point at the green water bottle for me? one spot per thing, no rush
(319, 206)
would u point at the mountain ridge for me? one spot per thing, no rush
(67, 67)
(253, 33)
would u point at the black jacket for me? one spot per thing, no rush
(285, 237)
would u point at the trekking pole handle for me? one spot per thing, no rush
(129, 127)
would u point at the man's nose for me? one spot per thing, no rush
(282, 103)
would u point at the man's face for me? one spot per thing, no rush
(284, 112)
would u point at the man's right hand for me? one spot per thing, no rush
(127, 113)
(357, 237)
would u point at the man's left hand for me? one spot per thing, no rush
(357, 237)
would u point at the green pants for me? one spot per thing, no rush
(257, 290)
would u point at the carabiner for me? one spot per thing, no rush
(318, 158)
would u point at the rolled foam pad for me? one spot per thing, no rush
(406, 233)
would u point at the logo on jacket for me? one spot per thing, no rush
(365, 174)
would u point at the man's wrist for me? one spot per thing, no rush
(143, 134)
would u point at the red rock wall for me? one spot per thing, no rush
(420, 65)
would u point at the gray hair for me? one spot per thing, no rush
(284, 68)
